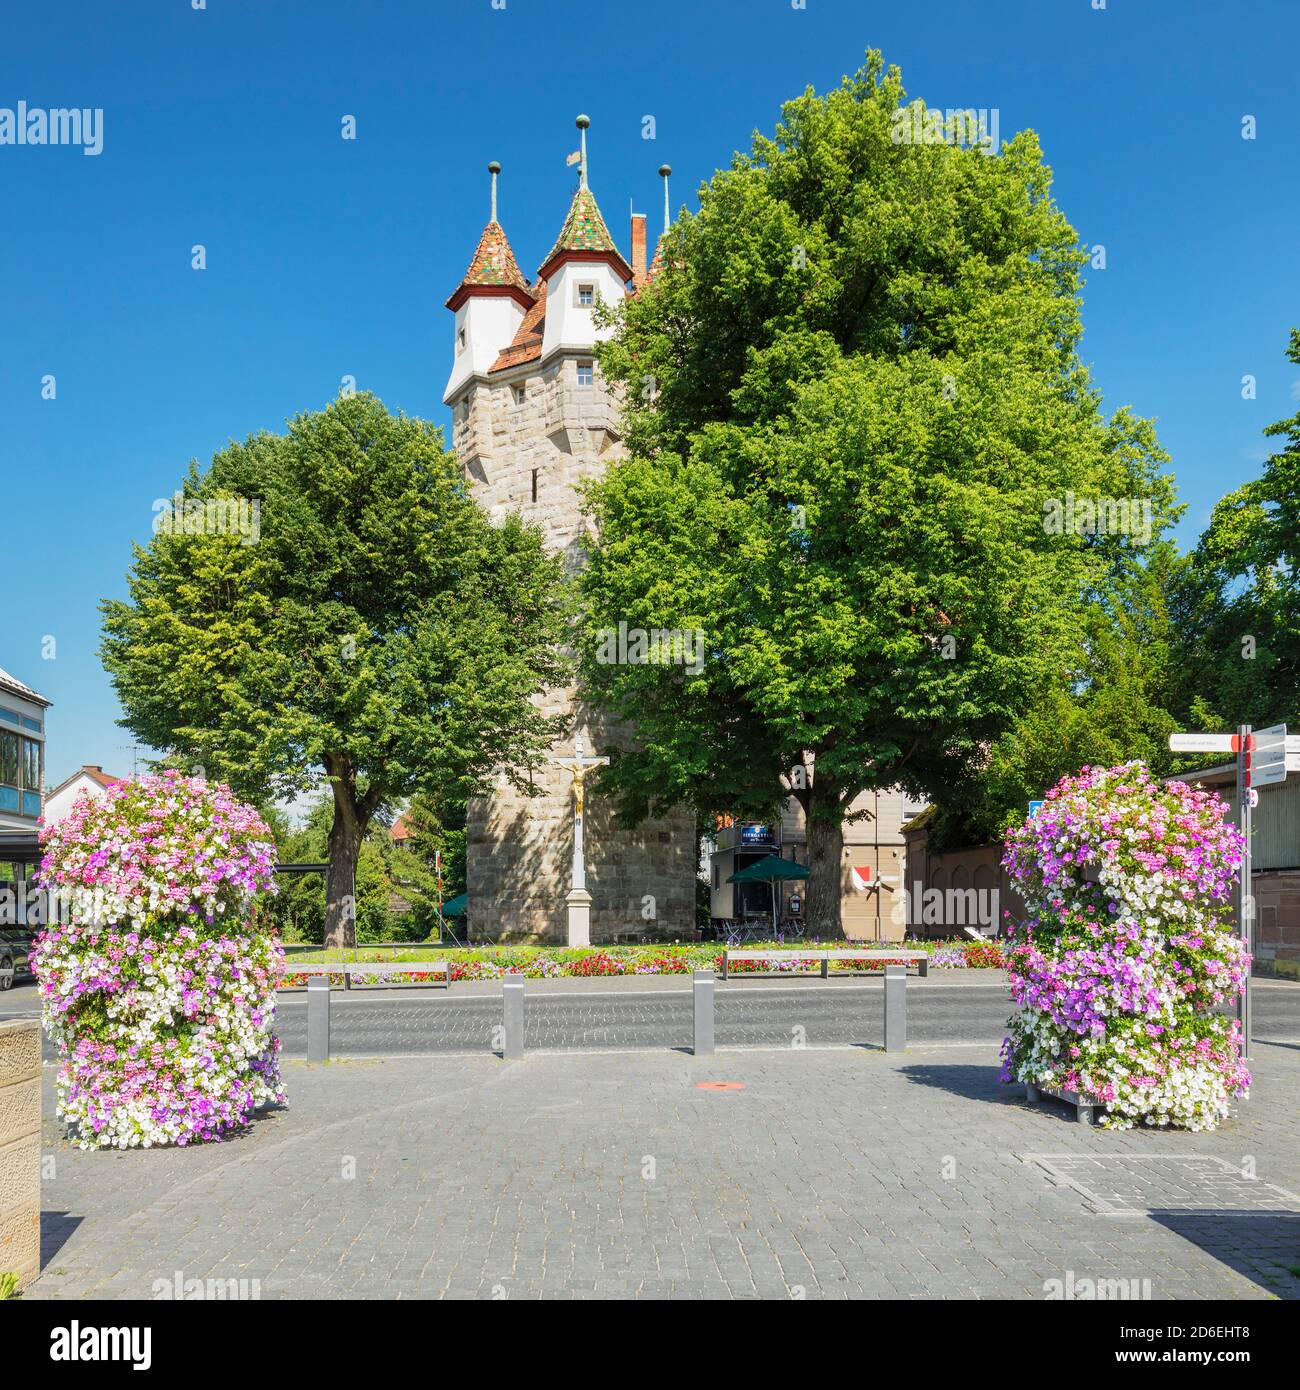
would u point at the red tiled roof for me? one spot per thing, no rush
(400, 830)
(492, 267)
(527, 343)
(92, 770)
(585, 233)
(657, 264)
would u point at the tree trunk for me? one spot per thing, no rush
(826, 855)
(340, 880)
(351, 817)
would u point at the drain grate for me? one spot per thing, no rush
(1135, 1184)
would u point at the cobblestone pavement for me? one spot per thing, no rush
(827, 1174)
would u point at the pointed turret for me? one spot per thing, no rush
(492, 267)
(489, 303)
(584, 237)
(583, 268)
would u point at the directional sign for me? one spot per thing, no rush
(1205, 743)
(1268, 766)
(1034, 808)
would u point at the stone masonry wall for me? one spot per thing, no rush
(1277, 924)
(20, 1149)
(519, 847)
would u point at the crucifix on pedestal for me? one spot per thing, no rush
(579, 900)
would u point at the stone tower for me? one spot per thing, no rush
(531, 420)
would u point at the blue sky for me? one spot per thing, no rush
(329, 258)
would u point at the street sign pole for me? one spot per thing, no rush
(1263, 759)
(1246, 913)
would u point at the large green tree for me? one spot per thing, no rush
(855, 413)
(396, 897)
(1239, 604)
(380, 632)
(1113, 703)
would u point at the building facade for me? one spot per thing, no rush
(873, 905)
(956, 892)
(22, 755)
(532, 420)
(89, 778)
(22, 798)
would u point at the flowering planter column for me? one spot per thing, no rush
(160, 991)
(1128, 950)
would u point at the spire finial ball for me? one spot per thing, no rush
(665, 170)
(494, 168)
(583, 122)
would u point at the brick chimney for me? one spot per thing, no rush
(638, 249)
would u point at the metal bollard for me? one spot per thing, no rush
(702, 990)
(512, 1001)
(895, 1008)
(318, 1018)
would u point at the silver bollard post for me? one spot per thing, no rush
(318, 1018)
(512, 1001)
(895, 1008)
(702, 990)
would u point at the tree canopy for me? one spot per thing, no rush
(1239, 602)
(854, 407)
(376, 628)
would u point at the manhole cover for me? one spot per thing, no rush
(1134, 1184)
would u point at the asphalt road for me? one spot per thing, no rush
(571, 1015)
(748, 1014)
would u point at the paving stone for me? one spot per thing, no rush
(823, 1178)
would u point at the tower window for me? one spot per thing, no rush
(586, 296)
(460, 340)
(521, 394)
(586, 374)
(534, 485)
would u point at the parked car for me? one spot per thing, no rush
(15, 954)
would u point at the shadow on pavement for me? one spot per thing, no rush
(57, 1228)
(1264, 1245)
(973, 1082)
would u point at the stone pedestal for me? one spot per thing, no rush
(20, 1149)
(579, 901)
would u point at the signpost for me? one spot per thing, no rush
(1263, 760)
(1246, 910)
(1269, 759)
(1205, 743)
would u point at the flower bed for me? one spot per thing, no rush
(1128, 950)
(540, 962)
(160, 991)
